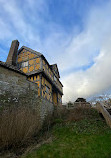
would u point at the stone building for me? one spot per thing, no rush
(37, 70)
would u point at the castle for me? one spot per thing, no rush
(37, 70)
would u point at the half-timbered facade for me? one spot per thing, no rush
(39, 71)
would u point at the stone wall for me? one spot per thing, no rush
(16, 90)
(105, 113)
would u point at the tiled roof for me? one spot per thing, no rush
(34, 72)
(37, 53)
(11, 67)
(29, 49)
(54, 67)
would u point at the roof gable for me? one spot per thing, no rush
(30, 50)
(54, 68)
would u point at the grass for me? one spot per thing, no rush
(89, 137)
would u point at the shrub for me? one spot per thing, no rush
(60, 112)
(17, 124)
(81, 112)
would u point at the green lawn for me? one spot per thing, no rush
(87, 138)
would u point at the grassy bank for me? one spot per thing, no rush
(81, 134)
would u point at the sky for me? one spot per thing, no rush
(75, 34)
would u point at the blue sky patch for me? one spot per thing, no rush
(67, 32)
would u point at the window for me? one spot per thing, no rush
(47, 89)
(55, 79)
(24, 64)
(18, 66)
(60, 100)
(56, 71)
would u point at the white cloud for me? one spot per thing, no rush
(70, 51)
(96, 79)
(15, 20)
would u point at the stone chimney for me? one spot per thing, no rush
(12, 56)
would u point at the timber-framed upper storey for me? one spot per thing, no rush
(38, 70)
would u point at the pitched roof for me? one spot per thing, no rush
(46, 75)
(80, 100)
(29, 49)
(40, 71)
(33, 51)
(54, 67)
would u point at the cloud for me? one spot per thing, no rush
(96, 36)
(31, 23)
(16, 21)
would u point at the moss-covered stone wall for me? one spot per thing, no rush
(16, 90)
